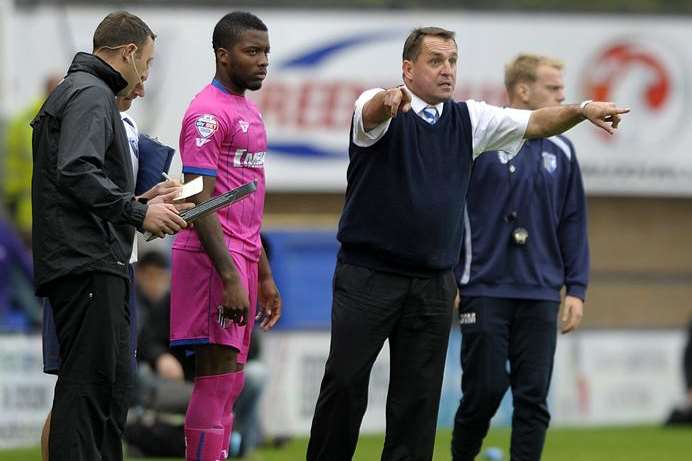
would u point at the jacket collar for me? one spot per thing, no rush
(86, 62)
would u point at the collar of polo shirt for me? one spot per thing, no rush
(417, 104)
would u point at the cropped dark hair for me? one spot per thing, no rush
(414, 41)
(121, 28)
(230, 27)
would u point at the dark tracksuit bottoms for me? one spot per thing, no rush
(91, 395)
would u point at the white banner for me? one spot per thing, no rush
(618, 377)
(600, 378)
(296, 367)
(321, 61)
(26, 393)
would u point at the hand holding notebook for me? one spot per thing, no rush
(213, 204)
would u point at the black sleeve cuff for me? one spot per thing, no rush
(135, 211)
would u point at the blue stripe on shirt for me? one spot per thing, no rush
(199, 171)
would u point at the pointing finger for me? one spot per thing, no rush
(603, 125)
(406, 98)
(395, 108)
(396, 102)
(388, 103)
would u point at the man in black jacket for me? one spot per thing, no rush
(84, 219)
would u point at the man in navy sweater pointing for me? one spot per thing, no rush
(516, 257)
(411, 150)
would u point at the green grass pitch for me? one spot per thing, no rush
(589, 444)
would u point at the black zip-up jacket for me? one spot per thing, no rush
(84, 212)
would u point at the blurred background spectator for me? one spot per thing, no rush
(19, 307)
(682, 415)
(17, 164)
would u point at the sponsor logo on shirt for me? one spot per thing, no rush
(206, 125)
(549, 162)
(245, 159)
(467, 318)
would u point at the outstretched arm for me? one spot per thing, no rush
(385, 105)
(550, 121)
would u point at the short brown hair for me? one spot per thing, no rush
(414, 41)
(121, 28)
(524, 67)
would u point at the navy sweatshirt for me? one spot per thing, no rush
(405, 195)
(542, 184)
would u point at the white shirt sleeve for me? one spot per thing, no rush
(362, 138)
(497, 128)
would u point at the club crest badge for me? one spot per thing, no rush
(206, 125)
(549, 162)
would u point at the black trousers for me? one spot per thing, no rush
(495, 331)
(94, 381)
(370, 307)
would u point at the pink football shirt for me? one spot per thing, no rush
(223, 135)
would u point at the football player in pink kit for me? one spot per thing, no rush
(220, 263)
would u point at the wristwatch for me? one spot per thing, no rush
(583, 105)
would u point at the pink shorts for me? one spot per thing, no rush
(196, 291)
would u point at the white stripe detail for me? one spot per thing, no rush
(562, 145)
(466, 276)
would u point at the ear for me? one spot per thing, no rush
(128, 50)
(223, 56)
(407, 70)
(523, 91)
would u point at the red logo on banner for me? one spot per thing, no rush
(647, 74)
(612, 65)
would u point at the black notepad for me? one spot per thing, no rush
(213, 204)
